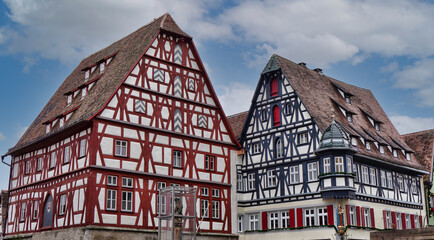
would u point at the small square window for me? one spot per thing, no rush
(288, 109)
(177, 159)
(349, 117)
(127, 182)
(347, 99)
(161, 185)
(204, 192)
(264, 115)
(215, 193)
(121, 148)
(256, 148)
(302, 138)
(112, 180)
(209, 163)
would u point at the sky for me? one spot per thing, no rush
(385, 46)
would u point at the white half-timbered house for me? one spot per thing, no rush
(305, 173)
(134, 117)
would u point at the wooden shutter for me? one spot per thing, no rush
(358, 215)
(299, 217)
(413, 223)
(276, 116)
(363, 216)
(420, 221)
(404, 225)
(264, 221)
(394, 220)
(330, 215)
(372, 218)
(385, 219)
(292, 218)
(274, 88)
(348, 215)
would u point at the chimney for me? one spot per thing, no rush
(319, 71)
(303, 64)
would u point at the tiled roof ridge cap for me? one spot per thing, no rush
(418, 132)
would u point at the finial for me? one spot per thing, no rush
(333, 114)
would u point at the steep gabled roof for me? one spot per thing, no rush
(125, 53)
(423, 145)
(237, 122)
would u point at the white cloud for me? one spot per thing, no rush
(391, 67)
(2, 137)
(235, 98)
(406, 124)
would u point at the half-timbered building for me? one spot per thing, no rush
(321, 158)
(134, 117)
(423, 145)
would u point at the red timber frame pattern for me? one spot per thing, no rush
(169, 78)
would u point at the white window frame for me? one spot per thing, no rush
(349, 164)
(389, 179)
(322, 216)
(69, 100)
(111, 199)
(215, 209)
(39, 164)
(264, 115)
(388, 219)
(401, 183)
(414, 185)
(381, 149)
(240, 223)
(53, 159)
(121, 148)
(62, 204)
(294, 175)
(395, 153)
(373, 176)
(339, 165)
(309, 217)
(112, 180)
(35, 209)
(83, 146)
(398, 221)
(368, 145)
(251, 181)
(367, 216)
(302, 138)
(239, 182)
(279, 148)
(177, 158)
(273, 220)
(23, 211)
(284, 219)
(383, 178)
(253, 222)
(353, 215)
(365, 174)
(127, 201)
(61, 122)
(408, 156)
(288, 109)
(256, 148)
(67, 154)
(27, 171)
(83, 92)
(271, 178)
(408, 221)
(312, 171)
(204, 205)
(127, 182)
(215, 193)
(326, 165)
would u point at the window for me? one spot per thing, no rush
(121, 148)
(82, 152)
(256, 148)
(69, 100)
(347, 99)
(400, 183)
(215, 193)
(354, 141)
(276, 116)
(264, 115)
(339, 165)
(312, 171)
(367, 216)
(240, 223)
(53, 159)
(162, 206)
(253, 222)
(210, 163)
(39, 165)
(111, 199)
(251, 181)
(416, 221)
(161, 185)
(309, 217)
(204, 204)
(322, 216)
(127, 182)
(353, 216)
(408, 156)
(398, 220)
(389, 180)
(302, 138)
(35, 209)
(102, 67)
(215, 209)
(381, 149)
(368, 145)
(273, 220)
(112, 180)
(83, 92)
(293, 174)
(395, 153)
(383, 178)
(127, 201)
(23, 212)
(284, 217)
(239, 182)
(349, 117)
(61, 122)
(271, 178)
(326, 165)
(373, 176)
(355, 171)
(407, 221)
(288, 109)
(279, 148)
(27, 167)
(365, 174)
(204, 191)
(349, 165)
(47, 128)
(388, 220)
(414, 185)
(274, 88)
(86, 75)
(177, 158)
(62, 205)
(377, 126)
(66, 154)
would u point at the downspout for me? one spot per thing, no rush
(3, 233)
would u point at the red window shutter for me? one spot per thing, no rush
(274, 90)
(404, 226)
(348, 215)
(394, 220)
(363, 216)
(358, 215)
(299, 217)
(384, 219)
(264, 221)
(372, 218)
(291, 218)
(413, 223)
(420, 221)
(276, 116)
(330, 215)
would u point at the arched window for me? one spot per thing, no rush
(276, 116)
(273, 88)
(279, 148)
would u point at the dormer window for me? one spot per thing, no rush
(349, 117)
(48, 128)
(62, 122)
(354, 141)
(381, 148)
(408, 156)
(86, 75)
(69, 101)
(347, 99)
(368, 146)
(274, 88)
(83, 92)
(395, 153)
(102, 67)
(377, 126)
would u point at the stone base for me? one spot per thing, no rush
(409, 234)
(108, 233)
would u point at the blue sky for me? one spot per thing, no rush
(385, 46)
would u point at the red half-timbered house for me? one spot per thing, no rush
(136, 116)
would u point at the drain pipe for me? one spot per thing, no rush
(3, 233)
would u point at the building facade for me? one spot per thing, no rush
(132, 118)
(322, 157)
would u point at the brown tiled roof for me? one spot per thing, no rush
(125, 51)
(423, 145)
(237, 122)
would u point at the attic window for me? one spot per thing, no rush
(69, 101)
(354, 141)
(86, 75)
(395, 153)
(408, 156)
(48, 128)
(62, 122)
(102, 67)
(377, 126)
(368, 145)
(347, 99)
(381, 149)
(83, 92)
(349, 117)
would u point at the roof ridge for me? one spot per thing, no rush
(237, 114)
(418, 132)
